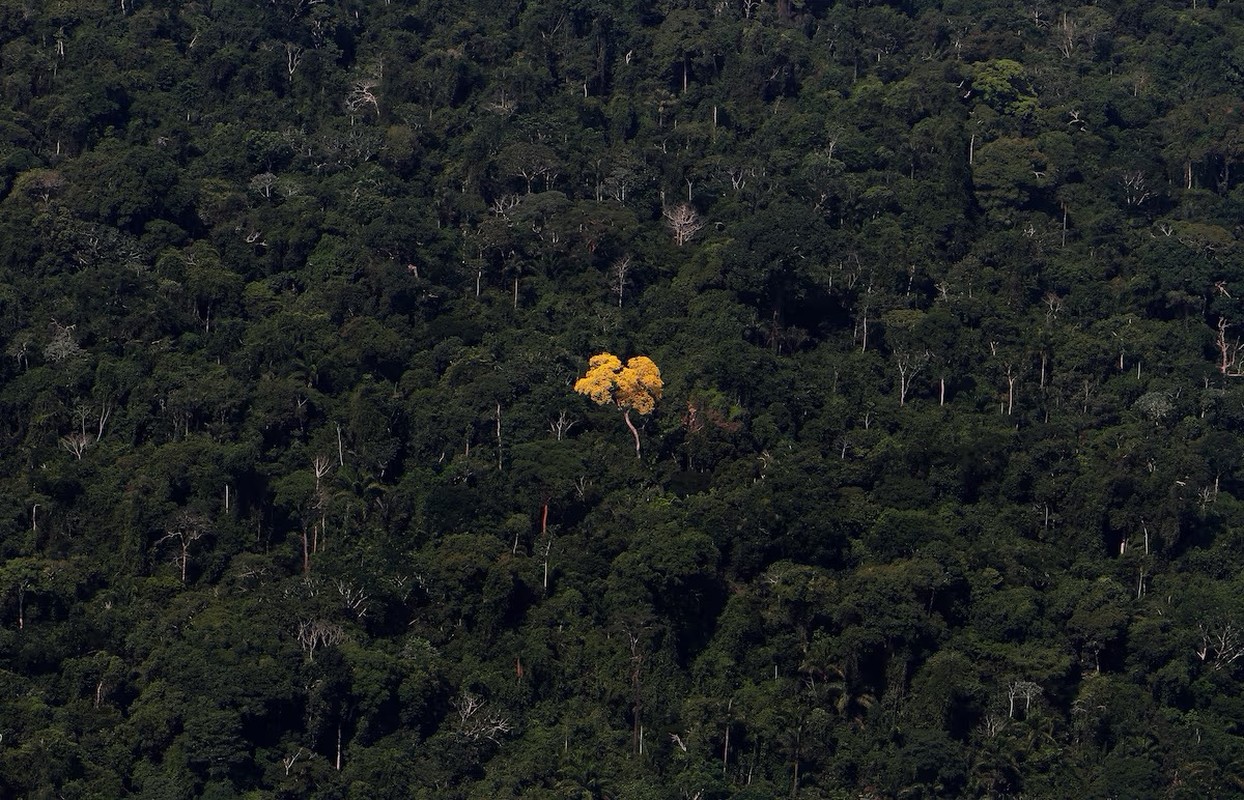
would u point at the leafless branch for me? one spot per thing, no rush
(476, 722)
(684, 222)
(314, 634)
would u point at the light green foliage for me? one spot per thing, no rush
(1004, 85)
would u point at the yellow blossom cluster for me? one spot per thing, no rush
(636, 385)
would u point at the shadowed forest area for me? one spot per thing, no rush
(932, 316)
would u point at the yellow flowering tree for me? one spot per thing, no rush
(634, 386)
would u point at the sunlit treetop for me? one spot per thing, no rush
(636, 385)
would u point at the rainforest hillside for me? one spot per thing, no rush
(933, 313)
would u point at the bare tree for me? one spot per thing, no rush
(561, 426)
(476, 722)
(76, 443)
(293, 57)
(362, 93)
(185, 529)
(1012, 377)
(861, 323)
(1221, 644)
(1135, 188)
(738, 176)
(504, 204)
(1229, 351)
(502, 104)
(321, 465)
(546, 552)
(289, 760)
(993, 724)
(355, 599)
(316, 633)
(1027, 690)
(618, 273)
(1066, 36)
(1053, 306)
(105, 412)
(684, 222)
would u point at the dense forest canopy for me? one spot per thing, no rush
(941, 496)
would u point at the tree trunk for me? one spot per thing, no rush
(634, 432)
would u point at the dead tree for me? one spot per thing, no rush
(321, 465)
(561, 426)
(1221, 644)
(355, 599)
(683, 221)
(76, 443)
(24, 584)
(1228, 351)
(291, 759)
(993, 724)
(1012, 376)
(476, 722)
(1135, 188)
(293, 57)
(314, 634)
(1027, 690)
(618, 272)
(362, 94)
(546, 550)
(1067, 36)
(1053, 306)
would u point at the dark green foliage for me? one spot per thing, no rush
(942, 498)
